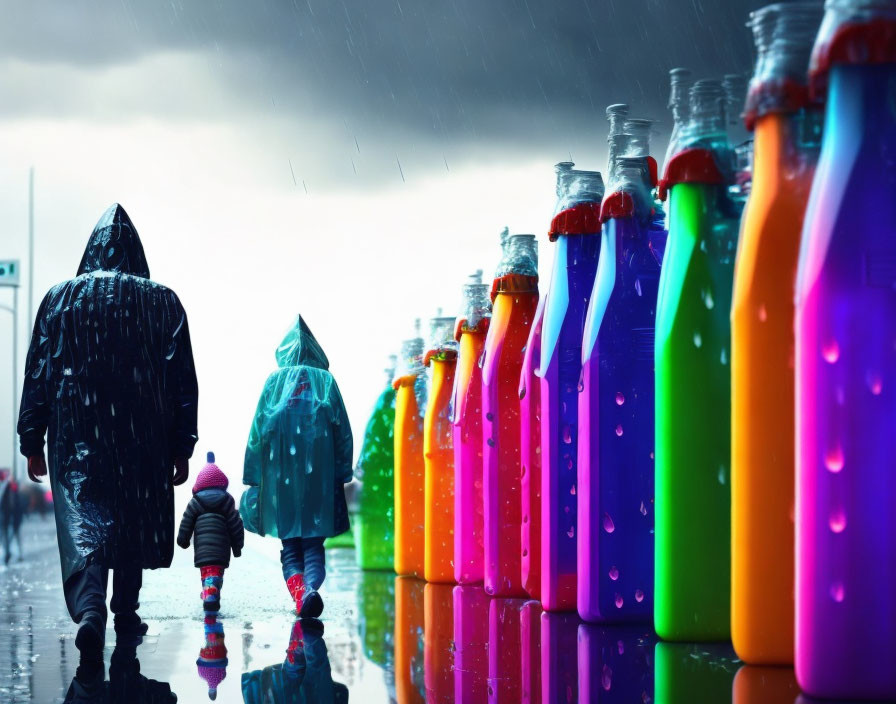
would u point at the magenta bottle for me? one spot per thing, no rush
(846, 367)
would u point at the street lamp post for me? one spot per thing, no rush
(9, 278)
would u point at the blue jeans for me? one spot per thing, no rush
(304, 556)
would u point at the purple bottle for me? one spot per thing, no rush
(576, 229)
(846, 367)
(616, 403)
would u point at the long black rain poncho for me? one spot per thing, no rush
(109, 379)
(299, 453)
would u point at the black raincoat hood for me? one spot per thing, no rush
(115, 246)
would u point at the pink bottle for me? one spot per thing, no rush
(530, 458)
(470, 331)
(515, 298)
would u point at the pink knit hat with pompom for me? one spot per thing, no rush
(210, 476)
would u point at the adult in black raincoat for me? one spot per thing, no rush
(109, 379)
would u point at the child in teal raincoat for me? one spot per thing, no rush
(298, 458)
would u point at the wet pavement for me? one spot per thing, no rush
(385, 639)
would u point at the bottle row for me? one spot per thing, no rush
(693, 423)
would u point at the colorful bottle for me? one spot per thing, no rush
(693, 381)
(410, 402)
(530, 458)
(616, 403)
(472, 326)
(438, 453)
(846, 367)
(376, 464)
(787, 136)
(409, 647)
(576, 230)
(470, 645)
(438, 650)
(530, 642)
(515, 298)
(679, 88)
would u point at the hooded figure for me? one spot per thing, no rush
(298, 457)
(109, 380)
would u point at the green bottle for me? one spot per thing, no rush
(693, 379)
(375, 520)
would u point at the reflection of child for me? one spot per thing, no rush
(214, 523)
(212, 662)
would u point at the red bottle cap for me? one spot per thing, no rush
(693, 165)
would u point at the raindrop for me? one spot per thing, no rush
(830, 351)
(614, 573)
(638, 286)
(643, 509)
(609, 526)
(491, 442)
(837, 520)
(572, 490)
(698, 341)
(707, 299)
(619, 601)
(838, 593)
(833, 459)
(723, 357)
(292, 449)
(571, 532)
(308, 467)
(272, 453)
(875, 384)
(489, 416)
(606, 678)
(567, 434)
(620, 399)
(639, 595)
(721, 474)
(619, 431)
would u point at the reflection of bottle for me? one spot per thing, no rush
(515, 292)
(470, 331)
(615, 664)
(530, 458)
(376, 618)
(505, 649)
(438, 454)
(845, 367)
(764, 685)
(576, 229)
(559, 666)
(470, 644)
(376, 523)
(409, 622)
(693, 381)
(693, 672)
(762, 404)
(438, 654)
(530, 642)
(616, 407)
(410, 398)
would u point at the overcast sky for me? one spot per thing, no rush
(352, 159)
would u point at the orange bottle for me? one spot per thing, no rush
(786, 141)
(410, 399)
(438, 454)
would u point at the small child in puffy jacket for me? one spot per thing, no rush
(214, 523)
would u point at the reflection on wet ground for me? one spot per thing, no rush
(381, 639)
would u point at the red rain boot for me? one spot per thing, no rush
(296, 587)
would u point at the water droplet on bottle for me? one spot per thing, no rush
(830, 351)
(491, 442)
(271, 456)
(489, 416)
(639, 595)
(722, 474)
(620, 647)
(763, 313)
(614, 573)
(698, 341)
(619, 601)
(837, 520)
(838, 593)
(833, 459)
(638, 286)
(609, 526)
(643, 509)
(606, 678)
(571, 532)
(707, 299)
(572, 491)
(620, 398)
(723, 357)
(292, 449)
(875, 384)
(619, 431)
(567, 434)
